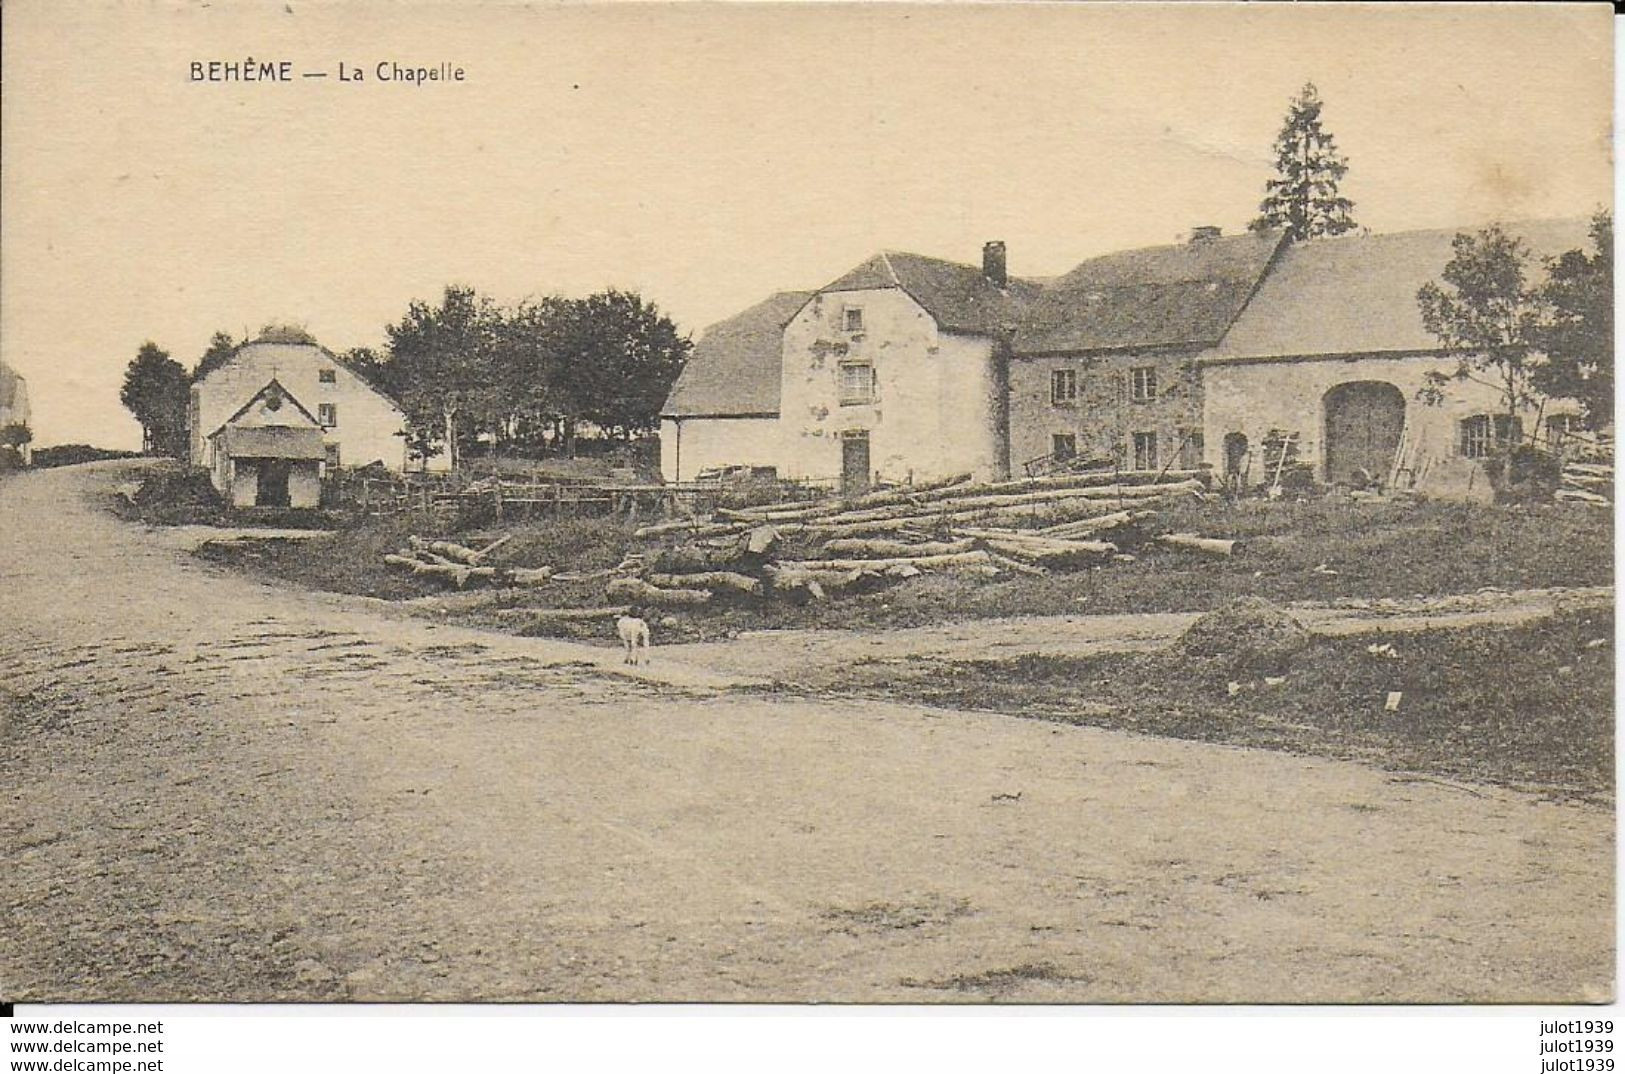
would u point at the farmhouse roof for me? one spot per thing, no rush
(735, 367)
(960, 297)
(272, 442)
(297, 345)
(1158, 296)
(1357, 294)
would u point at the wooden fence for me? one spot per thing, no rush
(450, 495)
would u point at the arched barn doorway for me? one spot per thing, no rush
(1364, 421)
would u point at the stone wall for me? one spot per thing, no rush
(1104, 416)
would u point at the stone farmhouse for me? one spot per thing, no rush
(282, 411)
(1332, 350)
(1179, 356)
(14, 410)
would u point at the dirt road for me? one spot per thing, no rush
(217, 789)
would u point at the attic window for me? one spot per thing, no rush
(327, 376)
(852, 318)
(328, 415)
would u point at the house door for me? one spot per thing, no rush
(1235, 458)
(1364, 421)
(273, 486)
(855, 464)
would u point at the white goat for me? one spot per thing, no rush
(633, 631)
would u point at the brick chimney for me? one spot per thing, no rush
(1205, 233)
(993, 264)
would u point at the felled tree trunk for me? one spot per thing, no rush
(708, 580)
(862, 546)
(637, 591)
(1212, 546)
(1098, 524)
(973, 562)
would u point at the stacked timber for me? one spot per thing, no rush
(987, 529)
(460, 565)
(1588, 473)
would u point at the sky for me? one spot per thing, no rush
(707, 155)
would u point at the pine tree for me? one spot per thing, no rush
(1303, 197)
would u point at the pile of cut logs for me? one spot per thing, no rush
(460, 565)
(1028, 526)
(1588, 476)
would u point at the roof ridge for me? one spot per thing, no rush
(885, 259)
(1447, 229)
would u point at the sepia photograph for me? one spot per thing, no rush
(932, 504)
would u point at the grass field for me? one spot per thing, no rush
(1527, 706)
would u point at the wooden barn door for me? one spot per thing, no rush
(1364, 421)
(855, 463)
(273, 488)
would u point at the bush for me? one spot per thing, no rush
(1248, 637)
(73, 454)
(1526, 475)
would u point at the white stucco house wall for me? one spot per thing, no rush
(358, 423)
(895, 372)
(723, 409)
(1332, 348)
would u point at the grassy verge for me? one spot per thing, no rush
(351, 560)
(1528, 706)
(1368, 551)
(1321, 550)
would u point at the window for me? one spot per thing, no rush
(1064, 445)
(1142, 383)
(1145, 451)
(1483, 434)
(1063, 387)
(1559, 426)
(857, 383)
(327, 376)
(1190, 449)
(328, 415)
(332, 456)
(853, 318)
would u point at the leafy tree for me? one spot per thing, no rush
(617, 360)
(221, 347)
(1576, 327)
(1486, 313)
(371, 366)
(531, 355)
(156, 390)
(1303, 197)
(440, 366)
